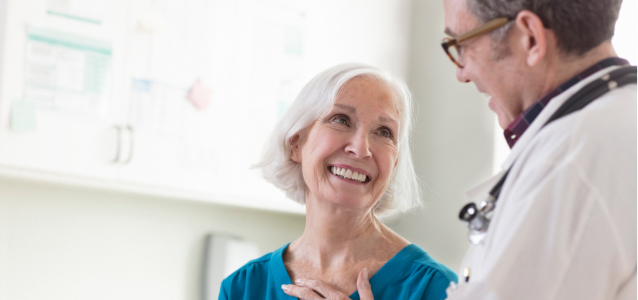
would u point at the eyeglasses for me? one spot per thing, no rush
(455, 54)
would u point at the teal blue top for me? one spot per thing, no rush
(411, 274)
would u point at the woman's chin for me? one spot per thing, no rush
(348, 203)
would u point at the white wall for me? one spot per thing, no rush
(60, 242)
(74, 243)
(453, 140)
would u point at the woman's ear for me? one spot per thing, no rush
(295, 149)
(533, 38)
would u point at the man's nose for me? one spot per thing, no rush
(461, 75)
(359, 145)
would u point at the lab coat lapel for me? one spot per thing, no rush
(547, 113)
(481, 191)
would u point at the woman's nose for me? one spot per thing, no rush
(359, 145)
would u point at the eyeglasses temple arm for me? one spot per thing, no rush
(487, 27)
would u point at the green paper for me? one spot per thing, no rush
(23, 116)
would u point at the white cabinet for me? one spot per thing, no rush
(96, 92)
(59, 97)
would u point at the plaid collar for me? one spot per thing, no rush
(514, 131)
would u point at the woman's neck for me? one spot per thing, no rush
(337, 243)
(335, 235)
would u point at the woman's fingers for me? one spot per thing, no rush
(363, 285)
(300, 292)
(320, 288)
(315, 288)
(309, 289)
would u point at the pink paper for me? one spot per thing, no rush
(199, 95)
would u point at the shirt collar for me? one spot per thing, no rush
(514, 131)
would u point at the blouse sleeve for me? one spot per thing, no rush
(436, 286)
(223, 294)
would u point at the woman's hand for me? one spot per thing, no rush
(309, 289)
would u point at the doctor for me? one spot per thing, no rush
(563, 225)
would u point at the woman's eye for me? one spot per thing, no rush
(385, 132)
(341, 120)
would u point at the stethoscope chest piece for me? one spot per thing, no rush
(477, 219)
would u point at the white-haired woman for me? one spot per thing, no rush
(342, 149)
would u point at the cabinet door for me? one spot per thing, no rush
(203, 155)
(59, 98)
(189, 151)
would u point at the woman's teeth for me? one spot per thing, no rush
(348, 174)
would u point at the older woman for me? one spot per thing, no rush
(343, 149)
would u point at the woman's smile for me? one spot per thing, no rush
(349, 174)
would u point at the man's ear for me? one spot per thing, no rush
(533, 36)
(295, 148)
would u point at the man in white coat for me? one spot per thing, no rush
(564, 224)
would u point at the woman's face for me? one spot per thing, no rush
(348, 155)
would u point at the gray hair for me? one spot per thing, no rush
(317, 99)
(579, 25)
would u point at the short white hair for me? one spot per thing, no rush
(317, 99)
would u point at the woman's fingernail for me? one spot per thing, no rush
(365, 273)
(284, 287)
(298, 281)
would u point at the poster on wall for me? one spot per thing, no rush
(67, 73)
(90, 11)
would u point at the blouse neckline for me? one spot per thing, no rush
(379, 281)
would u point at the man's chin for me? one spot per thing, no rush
(502, 123)
(490, 103)
(503, 119)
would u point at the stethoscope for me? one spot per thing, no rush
(478, 218)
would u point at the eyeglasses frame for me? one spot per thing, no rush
(481, 30)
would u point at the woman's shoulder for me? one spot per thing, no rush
(254, 265)
(422, 263)
(257, 279)
(412, 274)
(254, 268)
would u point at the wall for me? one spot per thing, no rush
(74, 243)
(60, 242)
(452, 140)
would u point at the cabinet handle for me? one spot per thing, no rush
(119, 144)
(131, 144)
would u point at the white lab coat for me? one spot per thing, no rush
(565, 224)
